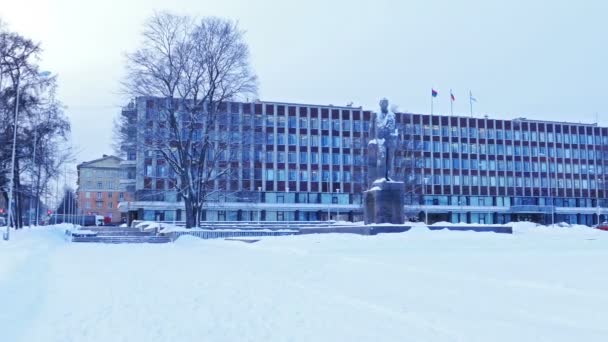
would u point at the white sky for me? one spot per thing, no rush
(530, 58)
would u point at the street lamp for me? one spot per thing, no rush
(551, 199)
(46, 75)
(259, 204)
(426, 214)
(600, 180)
(337, 203)
(329, 202)
(12, 175)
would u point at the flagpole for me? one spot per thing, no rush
(451, 103)
(471, 102)
(431, 104)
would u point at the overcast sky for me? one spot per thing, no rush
(531, 58)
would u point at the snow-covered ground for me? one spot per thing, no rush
(539, 284)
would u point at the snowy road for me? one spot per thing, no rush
(535, 285)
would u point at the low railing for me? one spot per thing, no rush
(220, 234)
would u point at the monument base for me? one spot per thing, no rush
(383, 202)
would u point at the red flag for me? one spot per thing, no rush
(452, 97)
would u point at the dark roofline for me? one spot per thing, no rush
(97, 160)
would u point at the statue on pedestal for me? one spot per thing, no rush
(383, 201)
(383, 134)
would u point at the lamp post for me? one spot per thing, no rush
(426, 214)
(551, 199)
(329, 202)
(12, 175)
(259, 204)
(43, 74)
(600, 180)
(337, 203)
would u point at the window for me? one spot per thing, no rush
(269, 175)
(292, 175)
(110, 194)
(335, 141)
(335, 125)
(324, 141)
(281, 121)
(325, 124)
(87, 195)
(109, 205)
(99, 195)
(335, 159)
(99, 185)
(314, 123)
(346, 125)
(270, 121)
(314, 158)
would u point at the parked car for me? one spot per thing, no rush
(602, 226)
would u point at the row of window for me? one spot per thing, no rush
(305, 157)
(121, 195)
(510, 150)
(508, 165)
(247, 120)
(311, 140)
(110, 185)
(163, 170)
(97, 173)
(303, 175)
(489, 133)
(509, 181)
(98, 205)
(501, 201)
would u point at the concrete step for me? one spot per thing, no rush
(123, 239)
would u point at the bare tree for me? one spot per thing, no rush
(408, 165)
(192, 69)
(41, 124)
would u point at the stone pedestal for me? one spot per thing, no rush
(383, 202)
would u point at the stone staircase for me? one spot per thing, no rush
(120, 235)
(123, 239)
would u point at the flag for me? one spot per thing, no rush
(472, 98)
(452, 96)
(433, 92)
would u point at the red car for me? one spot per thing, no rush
(602, 226)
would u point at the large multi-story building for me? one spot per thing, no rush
(308, 162)
(99, 188)
(484, 170)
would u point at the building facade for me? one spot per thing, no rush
(99, 190)
(484, 170)
(304, 162)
